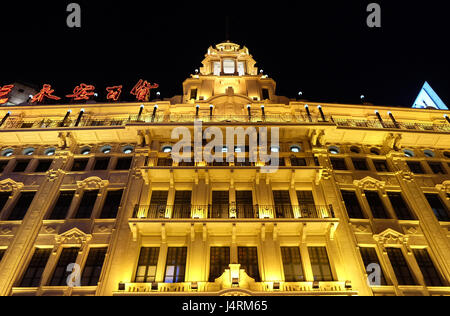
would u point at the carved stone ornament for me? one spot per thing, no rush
(92, 183)
(391, 237)
(444, 187)
(73, 236)
(407, 176)
(369, 183)
(8, 185)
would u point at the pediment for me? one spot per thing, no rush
(369, 183)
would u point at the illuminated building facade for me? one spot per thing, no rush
(357, 187)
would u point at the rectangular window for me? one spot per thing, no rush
(79, 164)
(415, 167)
(21, 165)
(229, 66)
(87, 204)
(244, 204)
(352, 204)
(298, 162)
(112, 204)
(165, 162)
(193, 94)
(93, 267)
(437, 168)
(320, 264)
(4, 198)
(101, 163)
(248, 259)
(339, 164)
(43, 165)
(62, 205)
(307, 205)
(283, 207)
(400, 266)
(439, 208)
(33, 274)
(182, 204)
(60, 274)
(158, 204)
(376, 205)
(147, 264)
(369, 256)
(219, 261)
(401, 209)
(427, 267)
(124, 163)
(3, 164)
(2, 253)
(22, 205)
(175, 265)
(381, 165)
(265, 94)
(292, 264)
(360, 164)
(220, 206)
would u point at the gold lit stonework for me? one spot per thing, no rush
(227, 91)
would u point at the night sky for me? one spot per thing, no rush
(323, 49)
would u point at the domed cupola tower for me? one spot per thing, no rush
(229, 77)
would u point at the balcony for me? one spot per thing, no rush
(375, 124)
(233, 211)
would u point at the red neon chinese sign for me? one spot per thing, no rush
(4, 92)
(82, 92)
(46, 92)
(142, 90)
(114, 93)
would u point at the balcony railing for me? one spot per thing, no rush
(102, 121)
(232, 211)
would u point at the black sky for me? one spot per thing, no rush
(322, 48)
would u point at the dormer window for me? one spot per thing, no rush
(193, 94)
(228, 67)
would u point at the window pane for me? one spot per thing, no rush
(248, 259)
(415, 167)
(352, 205)
(112, 204)
(44, 165)
(400, 207)
(376, 205)
(338, 164)
(79, 164)
(369, 256)
(4, 197)
(21, 165)
(360, 164)
(219, 261)
(283, 207)
(220, 206)
(426, 265)
(148, 261)
(400, 266)
(381, 165)
(93, 267)
(62, 205)
(228, 66)
(437, 168)
(33, 274)
(244, 204)
(175, 265)
(101, 163)
(124, 163)
(241, 68)
(438, 207)
(292, 264)
(87, 204)
(22, 205)
(3, 164)
(217, 68)
(320, 264)
(60, 274)
(182, 204)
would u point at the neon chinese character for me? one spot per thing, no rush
(46, 92)
(82, 92)
(114, 93)
(4, 91)
(142, 90)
